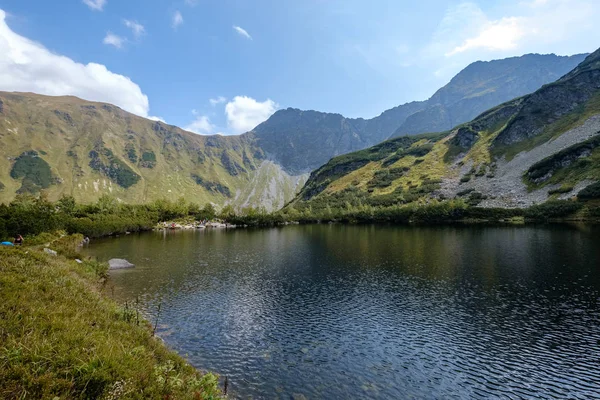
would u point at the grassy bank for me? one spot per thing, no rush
(60, 337)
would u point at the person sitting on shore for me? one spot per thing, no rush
(18, 240)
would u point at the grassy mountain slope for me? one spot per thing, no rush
(302, 141)
(526, 151)
(65, 145)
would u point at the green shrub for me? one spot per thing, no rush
(214, 187)
(465, 192)
(131, 154)
(34, 171)
(475, 198)
(561, 190)
(553, 209)
(590, 192)
(115, 169)
(148, 159)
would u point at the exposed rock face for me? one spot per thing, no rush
(465, 138)
(303, 140)
(548, 104)
(118, 263)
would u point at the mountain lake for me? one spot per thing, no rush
(378, 312)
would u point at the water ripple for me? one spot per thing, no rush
(363, 312)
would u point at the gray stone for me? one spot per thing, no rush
(51, 252)
(118, 263)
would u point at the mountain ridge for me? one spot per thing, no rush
(538, 147)
(66, 145)
(87, 149)
(306, 144)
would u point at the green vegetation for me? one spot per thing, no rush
(384, 177)
(435, 211)
(553, 209)
(212, 186)
(561, 190)
(148, 160)
(61, 338)
(571, 159)
(34, 171)
(415, 151)
(131, 153)
(28, 215)
(389, 152)
(590, 192)
(231, 166)
(105, 162)
(475, 198)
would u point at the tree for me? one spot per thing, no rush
(107, 204)
(208, 212)
(227, 212)
(66, 205)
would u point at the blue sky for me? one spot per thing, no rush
(171, 58)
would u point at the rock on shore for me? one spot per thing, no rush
(118, 263)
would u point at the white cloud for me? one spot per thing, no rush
(217, 100)
(96, 5)
(27, 66)
(154, 118)
(191, 3)
(113, 40)
(242, 32)
(534, 26)
(177, 20)
(201, 125)
(137, 29)
(244, 113)
(536, 3)
(503, 34)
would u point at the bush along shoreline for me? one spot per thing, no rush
(62, 337)
(30, 216)
(447, 212)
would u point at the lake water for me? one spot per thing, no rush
(351, 312)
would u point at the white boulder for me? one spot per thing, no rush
(119, 263)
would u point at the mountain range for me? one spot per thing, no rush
(69, 146)
(541, 146)
(301, 141)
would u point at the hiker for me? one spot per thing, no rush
(18, 240)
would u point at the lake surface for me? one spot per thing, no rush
(349, 312)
